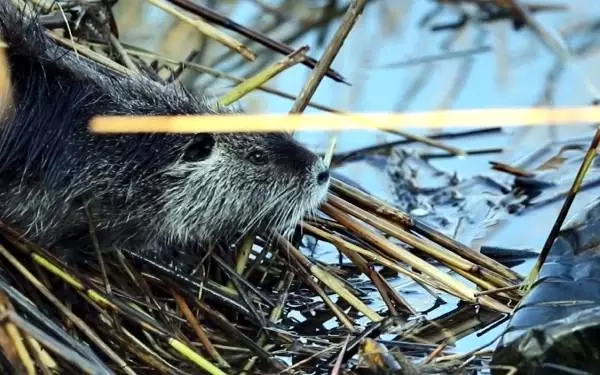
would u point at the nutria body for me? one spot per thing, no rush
(146, 190)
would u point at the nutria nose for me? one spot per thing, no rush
(323, 177)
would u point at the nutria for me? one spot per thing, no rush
(143, 190)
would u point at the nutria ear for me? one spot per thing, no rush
(6, 98)
(199, 149)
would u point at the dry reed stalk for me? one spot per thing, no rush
(274, 316)
(384, 209)
(6, 94)
(208, 30)
(57, 347)
(253, 123)
(13, 333)
(103, 301)
(263, 76)
(243, 254)
(405, 256)
(450, 259)
(324, 276)
(87, 52)
(354, 11)
(124, 55)
(46, 363)
(589, 157)
(185, 309)
(79, 323)
(258, 37)
(346, 247)
(387, 293)
(215, 73)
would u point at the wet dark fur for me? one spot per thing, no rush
(139, 189)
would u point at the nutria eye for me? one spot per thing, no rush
(199, 149)
(257, 157)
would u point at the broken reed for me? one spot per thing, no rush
(352, 209)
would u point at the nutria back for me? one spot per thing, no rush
(143, 190)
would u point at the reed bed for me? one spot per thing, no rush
(123, 312)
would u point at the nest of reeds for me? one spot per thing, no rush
(237, 311)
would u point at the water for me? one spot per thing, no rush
(527, 230)
(495, 80)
